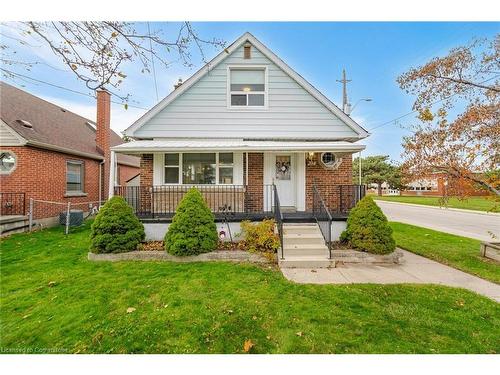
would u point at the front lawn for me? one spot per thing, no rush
(459, 252)
(472, 203)
(54, 300)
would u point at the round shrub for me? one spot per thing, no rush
(116, 229)
(368, 229)
(193, 230)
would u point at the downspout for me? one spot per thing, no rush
(246, 168)
(100, 182)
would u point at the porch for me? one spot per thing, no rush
(158, 203)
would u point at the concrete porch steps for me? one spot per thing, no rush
(304, 247)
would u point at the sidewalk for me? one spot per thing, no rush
(441, 208)
(415, 269)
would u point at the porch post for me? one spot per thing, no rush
(112, 174)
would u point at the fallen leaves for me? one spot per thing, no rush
(300, 334)
(51, 284)
(130, 310)
(248, 345)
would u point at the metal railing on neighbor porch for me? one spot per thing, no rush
(278, 217)
(323, 218)
(12, 204)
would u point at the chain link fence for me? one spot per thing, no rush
(44, 214)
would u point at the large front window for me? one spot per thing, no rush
(199, 168)
(247, 87)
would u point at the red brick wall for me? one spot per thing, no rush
(326, 181)
(41, 174)
(146, 180)
(125, 173)
(255, 181)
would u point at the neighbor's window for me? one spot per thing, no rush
(171, 168)
(74, 176)
(248, 87)
(7, 162)
(226, 168)
(198, 168)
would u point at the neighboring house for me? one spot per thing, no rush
(437, 184)
(242, 124)
(49, 153)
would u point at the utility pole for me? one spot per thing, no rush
(345, 102)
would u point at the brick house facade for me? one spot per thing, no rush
(39, 141)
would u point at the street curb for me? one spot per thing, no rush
(442, 208)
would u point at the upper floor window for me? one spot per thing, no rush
(247, 87)
(7, 162)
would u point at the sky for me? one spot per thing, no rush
(373, 55)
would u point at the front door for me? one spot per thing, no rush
(284, 178)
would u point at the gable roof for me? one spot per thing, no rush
(53, 127)
(247, 37)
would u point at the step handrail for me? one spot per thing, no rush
(278, 217)
(320, 208)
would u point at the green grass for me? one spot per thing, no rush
(472, 203)
(459, 252)
(215, 307)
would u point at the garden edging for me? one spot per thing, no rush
(220, 255)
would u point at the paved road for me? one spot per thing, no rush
(467, 224)
(414, 269)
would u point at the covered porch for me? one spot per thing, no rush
(242, 179)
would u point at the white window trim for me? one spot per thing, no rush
(240, 108)
(82, 178)
(217, 166)
(15, 162)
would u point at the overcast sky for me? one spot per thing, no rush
(373, 54)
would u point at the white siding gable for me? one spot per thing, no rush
(9, 137)
(202, 110)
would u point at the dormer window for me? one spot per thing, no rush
(247, 87)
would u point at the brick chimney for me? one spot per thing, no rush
(103, 134)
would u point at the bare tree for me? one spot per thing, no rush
(98, 52)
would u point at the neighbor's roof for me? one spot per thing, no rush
(235, 145)
(247, 37)
(53, 127)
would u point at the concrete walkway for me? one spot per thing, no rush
(460, 222)
(414, 269)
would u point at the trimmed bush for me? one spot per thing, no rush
(193, 230)
(260, 237)
(116, 229)
(368, 229)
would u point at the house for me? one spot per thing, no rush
(53, 155)
(253, 135)
(440, 185)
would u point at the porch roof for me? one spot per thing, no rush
(147, 146)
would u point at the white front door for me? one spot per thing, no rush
(284, 178)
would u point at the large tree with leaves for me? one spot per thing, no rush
(98, 53)
(458, 101)
(377, 170)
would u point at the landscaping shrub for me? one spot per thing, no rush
(193, 230)
(368, 229)
(260, 236)
(116, 229)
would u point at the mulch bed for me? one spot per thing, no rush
(221, 246)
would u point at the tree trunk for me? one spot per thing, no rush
(379, 188)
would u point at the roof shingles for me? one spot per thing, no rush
(51, 124)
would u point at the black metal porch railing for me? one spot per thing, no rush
(162, 200)
(323, 218)
(278, 217)
(12, 204)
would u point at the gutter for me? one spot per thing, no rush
(63, 150)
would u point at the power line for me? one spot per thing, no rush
(153, 63)
(437, 101)
(67, 89)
